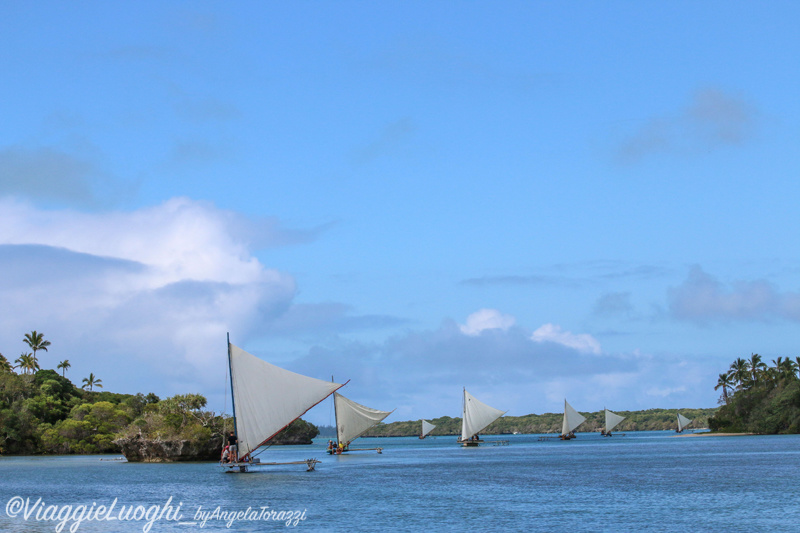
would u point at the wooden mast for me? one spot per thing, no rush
(233, 396)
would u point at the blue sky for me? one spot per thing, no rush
(534, 200)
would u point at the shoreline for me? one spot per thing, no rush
(709, 434)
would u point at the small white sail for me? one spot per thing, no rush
(682, 422)
(354, 419)
(572, 419)
(268, 398)
(427, 427)
(477, 415)
(612, 419)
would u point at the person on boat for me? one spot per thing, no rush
(233, 448)
(330, 445)
(225, 454)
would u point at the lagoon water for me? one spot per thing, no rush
(644, 480)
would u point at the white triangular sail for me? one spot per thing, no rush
(682, 422)
(612, 419)
(354, 419)
(477, 415)
(427, 427)
(572, 419)
(268, 398)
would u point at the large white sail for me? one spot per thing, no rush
(682, 422)
(572, 419)
(354, 419)
(427, 427)
(268, 398)
(477, 415)
(612, 419)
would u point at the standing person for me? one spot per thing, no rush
(233, 448)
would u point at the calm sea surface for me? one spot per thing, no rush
(644, 480)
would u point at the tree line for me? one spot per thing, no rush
(647, 420)
(759, 398)
(43, 412)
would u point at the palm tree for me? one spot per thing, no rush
(790, 366)
(756, 366)
(725, 381)
(64, 365)
(784, 367)
(27, 363)
(36, 342)
(740, 372)
(5, 366)
(92, 382)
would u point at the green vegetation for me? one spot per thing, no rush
(43, 412)
(650, 420)
(758, 398)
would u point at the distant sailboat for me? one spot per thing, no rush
(682, 423)
(266, 399)
(572, 419)
(612, 419)
(427, 427)
(477, 416)
(352, 421)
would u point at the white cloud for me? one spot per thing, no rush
(151, 291)
(484, 319)
(582, 342)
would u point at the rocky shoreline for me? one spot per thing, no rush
(138, 449)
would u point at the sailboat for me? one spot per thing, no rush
(682, 423)
(572, 419)
(612, 419)
(266, 399)
(352, 421)
(477, 416)
(427, 427)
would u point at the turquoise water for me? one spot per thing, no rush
(644, 480)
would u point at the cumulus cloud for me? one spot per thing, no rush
(582, 342)
(712, 119)
(149, 292)
(484, 319)
(421, 373)
(702, 298)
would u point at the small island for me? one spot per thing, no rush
(44, 413)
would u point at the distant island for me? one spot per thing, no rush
(648, 420)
